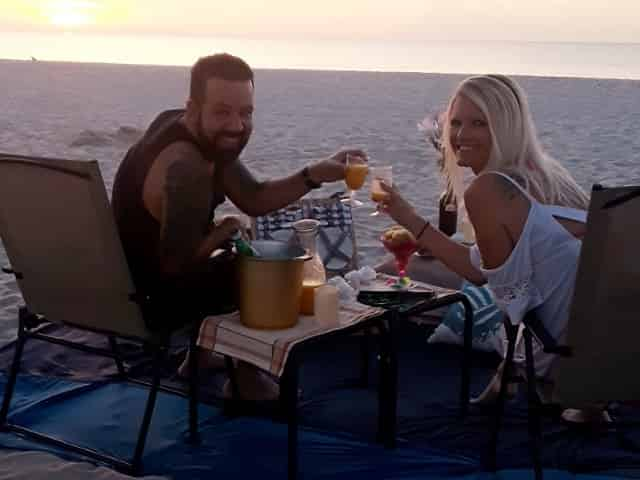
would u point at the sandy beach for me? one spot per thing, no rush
(92, 111)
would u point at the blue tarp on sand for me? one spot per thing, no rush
(338, 424)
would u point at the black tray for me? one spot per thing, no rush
(399, 300)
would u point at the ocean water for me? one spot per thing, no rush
(95, 111)
(593, 60)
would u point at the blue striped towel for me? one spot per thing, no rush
(487, 321)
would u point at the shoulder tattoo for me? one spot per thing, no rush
(507, 188)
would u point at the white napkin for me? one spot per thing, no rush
(349, 286)
(345, 292)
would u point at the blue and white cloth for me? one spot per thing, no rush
(487, 321)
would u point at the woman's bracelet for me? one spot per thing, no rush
(424, 227)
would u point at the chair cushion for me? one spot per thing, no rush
(487, 321)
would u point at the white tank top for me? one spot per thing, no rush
(541, 269)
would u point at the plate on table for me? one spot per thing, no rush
(401, 300)
(380, 294)
(387, 283)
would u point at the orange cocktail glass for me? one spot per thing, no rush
(380, 174)
(355, 175)
(377, 194)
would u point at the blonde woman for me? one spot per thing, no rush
(527, 211)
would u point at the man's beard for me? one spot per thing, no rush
(224, 155)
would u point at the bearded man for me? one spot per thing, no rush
(169, 184)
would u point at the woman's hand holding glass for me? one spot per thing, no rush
(399, 209)
(379, 175)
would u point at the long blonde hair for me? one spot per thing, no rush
(516, 150)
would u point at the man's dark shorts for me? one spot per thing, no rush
(182, 300)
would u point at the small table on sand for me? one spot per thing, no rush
(400, 304)
(278, 351)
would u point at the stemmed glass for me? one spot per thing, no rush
(379, 174)
(401, 243)
(355, 175)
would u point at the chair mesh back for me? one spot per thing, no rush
(604, 325)
(336, 240)
(59, 233)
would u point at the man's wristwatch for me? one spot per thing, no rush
(308, 181)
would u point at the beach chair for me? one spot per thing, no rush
(604, 322)
(336, 237)
(65, 253)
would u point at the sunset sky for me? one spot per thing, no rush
(527, 20)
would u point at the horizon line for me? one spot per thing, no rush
(310, 69)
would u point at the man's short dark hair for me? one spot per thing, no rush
(220, 65)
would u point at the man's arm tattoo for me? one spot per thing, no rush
(186, 210)
(241, 186)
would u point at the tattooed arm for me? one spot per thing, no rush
(498, 211)
(257, 198)
(185, 239)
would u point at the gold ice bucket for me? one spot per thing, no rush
(270, 285)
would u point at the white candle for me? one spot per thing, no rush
(326, 305)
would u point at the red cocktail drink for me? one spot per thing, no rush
(402, 244)
(402, 254)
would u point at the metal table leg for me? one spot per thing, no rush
(465, 380)
(388, 388)
(194, 436)
(533, 412)
(393, 384)
(365, 342)
(383, 384)
(490, 460)
(289, 400)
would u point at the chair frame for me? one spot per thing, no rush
(532, 327)
(157, 343)
(305, 208)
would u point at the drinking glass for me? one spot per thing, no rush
(402, 244)
(355, 174)
(385, 174)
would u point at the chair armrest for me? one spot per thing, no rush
(549, 344)
(10, 271)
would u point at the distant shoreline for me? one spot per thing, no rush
(276, 38)
(41, 61)
(616, 61)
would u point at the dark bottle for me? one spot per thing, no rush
(448, 219)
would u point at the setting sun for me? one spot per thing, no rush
(71, 13)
